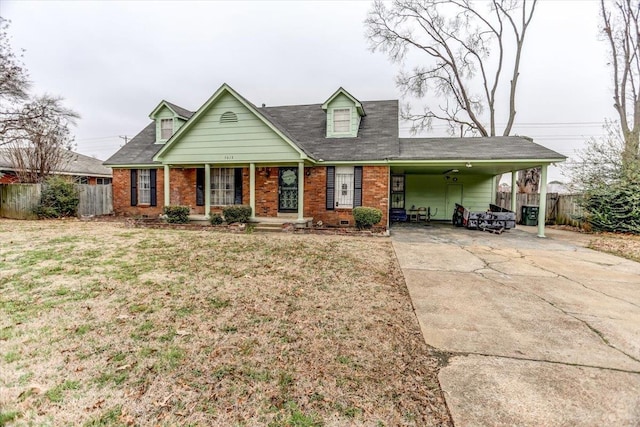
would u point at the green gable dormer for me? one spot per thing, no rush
(344, 113)
(169, 118)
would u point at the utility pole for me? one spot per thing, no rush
(125, 137)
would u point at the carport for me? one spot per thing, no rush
(437, 173)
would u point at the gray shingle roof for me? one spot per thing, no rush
(307, 126)
(377, 139)
(179, 110)
(139, 151)
(74, 164)
(488, 148)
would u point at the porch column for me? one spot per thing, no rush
(514, 190)
(300, 191)
(252, 189)
(542, 213)
(207, 190)
(167, 187)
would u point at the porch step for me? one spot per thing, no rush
(276, 224)
(263, 227)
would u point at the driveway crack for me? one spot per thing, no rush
(529, 359)
(600, 335)
(583, 285)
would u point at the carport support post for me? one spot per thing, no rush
(167, 188)
(252, 189)
(207, 190)
(542, 208)
(300, 191)
(514, 191)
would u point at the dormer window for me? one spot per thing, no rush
(166, 128)
(342, 120)
(344, 114)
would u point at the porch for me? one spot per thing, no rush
(275, 193)
(264, 221)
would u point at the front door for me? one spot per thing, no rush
(288, 189)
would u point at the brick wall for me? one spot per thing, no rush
(183, 189)
(375, 181)
(375, 194)
(266, 191)
(122, 195)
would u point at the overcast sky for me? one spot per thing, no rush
(114, 61)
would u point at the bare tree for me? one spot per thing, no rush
(34, 131)
(458, 38)
(14, 80)
(621, 29)
(599, 163)
(41, 146)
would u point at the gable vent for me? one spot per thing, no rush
(229, 117)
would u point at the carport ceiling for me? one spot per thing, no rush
(477, 168)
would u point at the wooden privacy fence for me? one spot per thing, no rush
(95, 199)
(18, 200)
(561, 208)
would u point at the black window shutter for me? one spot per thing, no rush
(153, 187)
(134, 187)
(331, 187)
(238, 186)
(357, 186)
(200, 187)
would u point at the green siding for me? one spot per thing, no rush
(247, 140)
(431, 191)
(164, 113)
(342, 101)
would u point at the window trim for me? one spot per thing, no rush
(340, 182)
(229, 192)
(348, 120)
(146, 175)
(162, 129)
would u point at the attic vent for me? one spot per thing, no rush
(229, 117)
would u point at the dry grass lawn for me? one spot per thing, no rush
(101, 324)
(625, 245)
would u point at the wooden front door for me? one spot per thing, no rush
(288, 189)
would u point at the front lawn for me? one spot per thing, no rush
(101, 324)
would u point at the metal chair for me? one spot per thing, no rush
(422, 214)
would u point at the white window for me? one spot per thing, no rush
(144, 186)
(166, 128)
(342, 120)
(103, 181)
(222, 186)
(344, 186)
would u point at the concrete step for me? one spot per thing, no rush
(267, 229)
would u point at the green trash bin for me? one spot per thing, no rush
(529, 215)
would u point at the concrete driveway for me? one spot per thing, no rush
(538, 332)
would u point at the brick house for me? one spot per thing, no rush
(306, 163)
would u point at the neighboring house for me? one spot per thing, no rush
(307, 162)
(558, 187)
(82, 169)
(504, 188)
